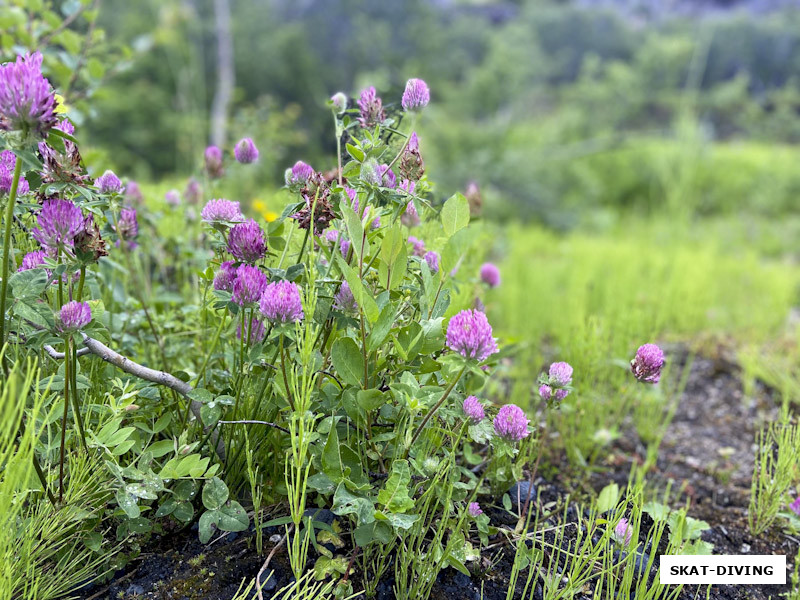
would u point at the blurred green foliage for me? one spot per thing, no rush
(553, 109)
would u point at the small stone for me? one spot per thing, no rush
(134, 590)
(275, 538)
(521, 491)
(745, 549)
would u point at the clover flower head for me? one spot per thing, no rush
(256, 330)
(8, 161)
(344, 299)
(32, 260)
(370, 108)
(173, 198)
(795, 506)
(193, 192)
(133, 193)
(58, 223)
(249, 284)
(647, 364)
(490, 274)
(418, 245)
(281, 303)
(432, 258)
(416, 95)
(245, 151)
(339, 102)
(73, 316)
(560, 373)
(470, 334)
(408, 186)
(128, 226)
(223, 280)
(387, 177)
(474, 509)
(213, 162)
(511, 424)
(300, 173)
(246, 241)
(27, 101)
(473, 409)
(623, 532)
(108, 182)
(410, 217)
(216, 211)
(546, 392)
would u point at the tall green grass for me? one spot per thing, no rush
(591, 300)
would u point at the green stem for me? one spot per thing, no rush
(72, 358)
(405, 144)
(434, 409)
(79, 293)
(12, 198)
(285, 378)
(64, 426)
(42, 479)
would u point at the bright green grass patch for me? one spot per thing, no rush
(592, 300)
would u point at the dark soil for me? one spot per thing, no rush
(707, 455)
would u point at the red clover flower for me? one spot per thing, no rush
(245, 151)
(473, 409)
(59, 222)
(7, 163)
(27, 102)
(646, 365)
(490, 274)
(249, 284)
(511, 423)
(73, 316)
(416, 95)
(281, 303)
(108, 183)
(470, 334)
(216, 211)
(246, 241)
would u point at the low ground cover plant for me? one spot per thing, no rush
(337, 357)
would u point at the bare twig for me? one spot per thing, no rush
(253, 422)
(56, 355)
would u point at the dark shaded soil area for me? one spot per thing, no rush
(706, 455)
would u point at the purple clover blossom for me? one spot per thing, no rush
(249, 284)
(416, 95)
(419, 246)
(213, 162)
(300, 173)
(33, 260)
(370, 107)
(193, 192)
(7, 163)
(27, 102)
(470, 334)
(474, 509)
(133, 193)
(245, 151)
(623, 532)
(173, 198)
(410, 217)
(256, 331)
(246, 241)
(432, 258)
(344, 299)
(108, 183)
(59, 222)
(546, 392)
(413, 142)
(511, 423)
(646, 365)
(560, 374)
(225, 211)
(281, 303)
(490, 274)
(339, 103)
(73, 316)
(473, 409)
(128, 227)
(223, 280)
(387, 177)
(66, 126)
(408, 186)
(795, 506)
(344, 247)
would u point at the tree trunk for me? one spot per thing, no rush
(225, 73)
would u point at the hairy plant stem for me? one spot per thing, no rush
(434, 409)
(12, 198)
(71, 360)
(79, 293)
(285, 378)
(64, 422)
